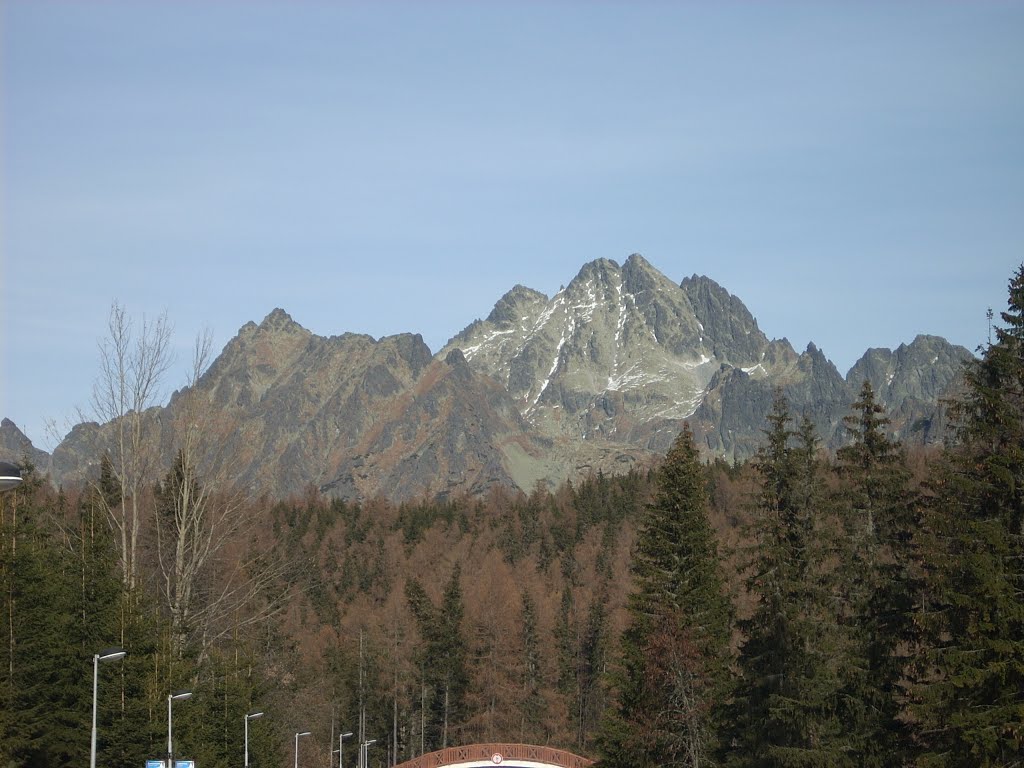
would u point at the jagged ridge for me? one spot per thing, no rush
(599, 376)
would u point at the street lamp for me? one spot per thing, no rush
(364, 752)
(303, 733)
(10, 476)
(172, 697)
(109, 654)
(248, 717)
(341, 741)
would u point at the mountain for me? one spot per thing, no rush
(625, 354)
(16, 447)
(348, 416)
(620, 353)
(600, 376)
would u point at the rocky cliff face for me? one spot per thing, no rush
(15, 447)
(621, 353)
(599, 376)
(351, 417)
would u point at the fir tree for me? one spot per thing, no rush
(452, 658)
(673, 672)
(971, 685)
(443, 654)
(533, 708)
(45, 678)
(785, 711)
(879, 582)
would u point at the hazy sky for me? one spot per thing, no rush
(854, 172)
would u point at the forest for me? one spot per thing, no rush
(861, 608)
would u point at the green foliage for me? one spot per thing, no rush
(358, 677)
(674, 653)
(533, 710)
(971, 669)
(879, 583)
(415, 519)
(62, 600)
(786, 709)
(442, 660)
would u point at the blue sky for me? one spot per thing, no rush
(854, 172)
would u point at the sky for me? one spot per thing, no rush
(853, 172)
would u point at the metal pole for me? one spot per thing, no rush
(303, 733)
(110, 654)
(342, 735)
(170, 749)
(95, 676)
(249, 716)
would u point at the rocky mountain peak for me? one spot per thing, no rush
(639, 277)
(15, 445)
(911, 380)
(510, 307)
(616, 346)
(600, 375)
(278, 320)
(600, 271)
(729, 328)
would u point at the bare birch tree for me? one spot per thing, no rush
(134, 359)
(209, 585)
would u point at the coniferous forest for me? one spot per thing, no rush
(861, 608)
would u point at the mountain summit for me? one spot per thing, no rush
(599, 376)
(621, 353)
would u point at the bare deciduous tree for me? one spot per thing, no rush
(209, 585)
(133, 362)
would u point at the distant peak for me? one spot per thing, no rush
(520, 291)
(636, 261)
(598, 269)
(277, 316)
(703, 280)
(639, 275)
(278, 320)
(506, 311)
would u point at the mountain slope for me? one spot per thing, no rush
(600, 376)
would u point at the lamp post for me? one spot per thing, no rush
(341, 741)
(172, 697)
(110, 654)
(248, 717)
(10, 476)
(364, 752)
(303, 733)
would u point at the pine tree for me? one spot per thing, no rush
(880, 585)
(44, 679)
(785, 711)
(533, 715)
(673, 674)
(452, 658)
(443, 659)
(971, 684)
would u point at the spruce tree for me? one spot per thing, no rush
(971, 678)
(675, 652)
(786, 703)
(45, 679)
(533, 707)
(879, 582)
(452, 657)
(443, 659)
